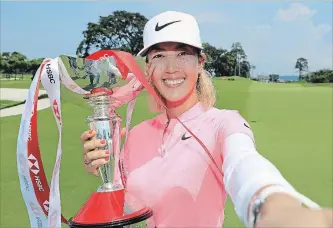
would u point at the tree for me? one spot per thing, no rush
(226, 63)
(274, 77)
(15, 62)
(320, 76)
(215, 60)
(121, 30)
(301, 65)
(34, 64)
(241, 67)
(4, 65)
(211, 54)
(245, 68)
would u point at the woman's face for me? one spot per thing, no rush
(174, 70)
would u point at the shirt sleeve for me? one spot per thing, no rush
(233, 123)
(245, 170)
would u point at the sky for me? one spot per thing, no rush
(273, 34)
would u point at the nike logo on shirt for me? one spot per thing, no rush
(184, 137)
(158, 28)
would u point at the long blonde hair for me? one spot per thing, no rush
(205, 91)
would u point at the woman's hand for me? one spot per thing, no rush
(93, 158)
(280, 210)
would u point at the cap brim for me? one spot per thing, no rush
(144, 51)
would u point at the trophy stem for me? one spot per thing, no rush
(106, 122)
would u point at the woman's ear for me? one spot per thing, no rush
(202, 60)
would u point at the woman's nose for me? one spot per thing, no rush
(171, 65)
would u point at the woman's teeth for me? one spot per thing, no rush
(173, 82)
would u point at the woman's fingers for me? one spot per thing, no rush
(97, 163)
(87, 135)
(123, 132)
(95, 155)
(93, 166)
(93, 158)
(93, 144)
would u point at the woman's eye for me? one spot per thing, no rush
(183, 53)
(157, 56)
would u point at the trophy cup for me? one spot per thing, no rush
(106, 207)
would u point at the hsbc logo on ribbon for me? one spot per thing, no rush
(56, 109)
(46, 205)
(34, 168)
(49, 73)
(33, 164)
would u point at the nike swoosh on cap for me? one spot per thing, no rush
(158, 28)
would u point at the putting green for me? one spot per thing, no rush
(292, 125)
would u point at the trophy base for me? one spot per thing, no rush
(107, 209)
(134, 220)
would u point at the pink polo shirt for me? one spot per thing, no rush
(178, 180)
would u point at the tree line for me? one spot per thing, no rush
(319, 76)
(17, 63)
(123, 30)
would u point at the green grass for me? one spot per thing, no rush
(292, 125)
(6, 103)
(16, 76)
(21, 84)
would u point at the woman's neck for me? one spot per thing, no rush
(176, 110)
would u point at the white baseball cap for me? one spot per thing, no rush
(171, 26)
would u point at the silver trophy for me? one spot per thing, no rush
(107, 207)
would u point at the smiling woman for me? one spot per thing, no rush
(168, 170)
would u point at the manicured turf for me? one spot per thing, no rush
(292, 126)
(6, 103)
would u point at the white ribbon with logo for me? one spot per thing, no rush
(35, 189)
(27, 161)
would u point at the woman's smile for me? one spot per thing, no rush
(173, 83)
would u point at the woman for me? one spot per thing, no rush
(168, 169)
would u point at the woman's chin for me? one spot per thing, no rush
(175, 100)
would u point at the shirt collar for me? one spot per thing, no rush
(193, 112)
